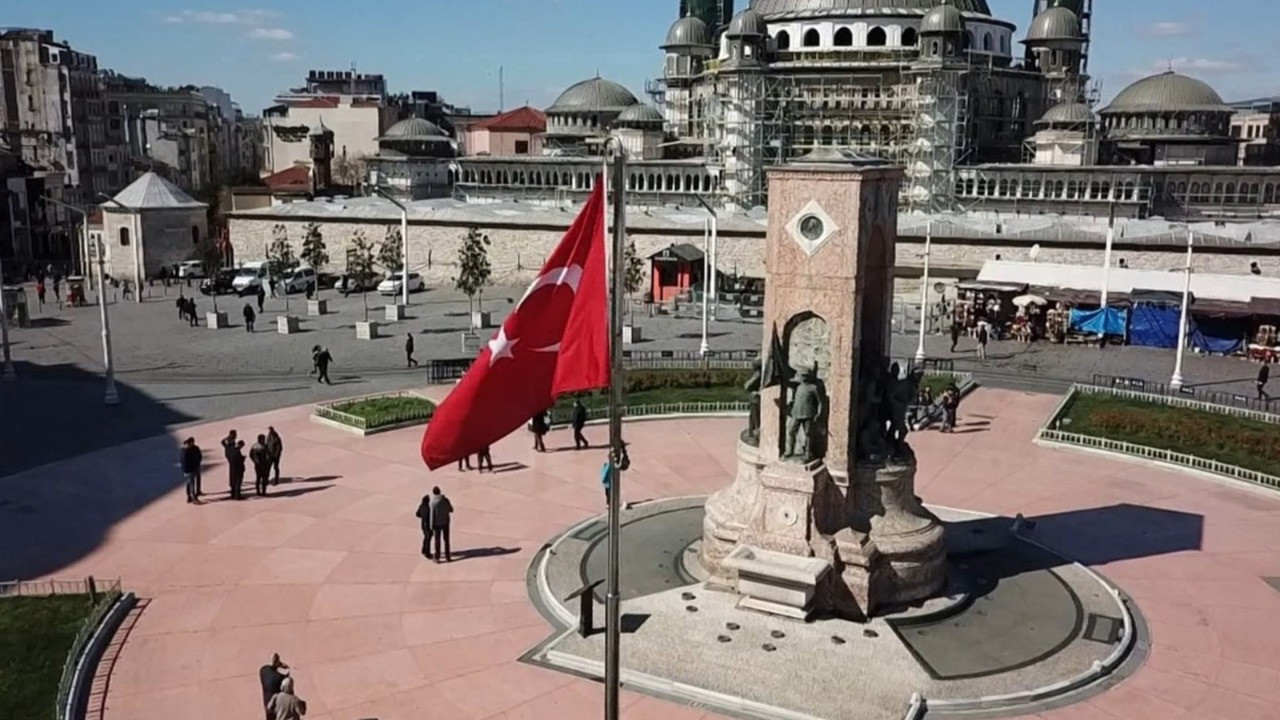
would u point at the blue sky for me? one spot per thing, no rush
(457, 46)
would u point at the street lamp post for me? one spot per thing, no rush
(924, 292)
(404, 244)
(110, 396)
(706, 261)
(1106, 273)
(134, 230)
(1184, 320)
(713, 246)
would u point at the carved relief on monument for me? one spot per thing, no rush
(808, 352)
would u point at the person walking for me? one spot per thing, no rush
(579, 422)
(949, 403)
(57, 289)
(483, 457)
(424, 519)
(191, 458)
(272, 676)
(464, 463)
(983, 337)
(1264, 374)
(262, 298)
(40, 291)
(275, 448)
(323, 359)
(261, 459)
(408, 350)
(248, 317)
(539, 427)
(955, 335)
(181, 304)
(192, 315)
(284, 705)
(440, 510)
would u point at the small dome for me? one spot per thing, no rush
(688, 32)
(747, 23)
(594, 95)
(1068, 114)
(640, 114)
(414, 129)
(943, 19)
(1056, 23)
(1167, 92)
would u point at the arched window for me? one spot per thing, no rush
(812, 38)
(935, 48)
(828, 135)
(844, 37)
(909, 37)
(968, 39)
(987, 43)
(1004, 44)
(783, 40)
(195, 234)
(877, 37)
(124, 236)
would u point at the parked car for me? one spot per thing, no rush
(348, 284)
(250, 277)
(326, 281)
(297, 279)
(222, 283)
(392, 284)
(190, 269)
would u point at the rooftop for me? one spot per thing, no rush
(153, 192)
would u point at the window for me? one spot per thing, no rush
(783, 40)
(812, 38)
(877, 37)
(195, 234)
(522, 147)
(968, 40)
(910, 38)
(986, 42)
(844, 37)
(124, 236)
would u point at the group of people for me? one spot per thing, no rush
(981, 334)
(434, 513)
(278, 699)
(540, 425)
(320, 361)
(265, 455)
(187, 310)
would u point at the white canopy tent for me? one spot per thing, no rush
(1229, 288)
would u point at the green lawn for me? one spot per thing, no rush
(36, 634)
(938, 384)
(383, 411)
(1214, 436)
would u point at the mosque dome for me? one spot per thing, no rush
(747, 23)
(797, 9)
(687, 32)
(1166, 93)
(414, 129)
(640, 114)
(1068, 114)
(944, 18)
(1056, 23)
(594, 95)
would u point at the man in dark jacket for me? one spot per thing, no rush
(579, 422)
(408, 350)
(440, 509)
(191, 459)
(424, 519)
(275, 447)
(1264, 374)
(261, 458)
(272, 676)
(248, 317)
(228, 450)
(262, 296)
(233, 449)
(323, 358)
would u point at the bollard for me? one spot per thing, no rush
(586, 607)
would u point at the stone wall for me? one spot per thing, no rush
(517, 252)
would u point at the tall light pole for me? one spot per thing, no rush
(110, 396)
(706, 264)
(404, 243)
(135, 231)
(924, 292)
(714, 246)
(1176, 381)
(8, 373)
(1106, 270)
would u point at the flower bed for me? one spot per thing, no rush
(378, 412)
(653, 388)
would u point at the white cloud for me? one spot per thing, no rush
(207, 17)
(263, 33)
(1168, 29)
(284, 57)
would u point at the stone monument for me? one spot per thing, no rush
(824, 499)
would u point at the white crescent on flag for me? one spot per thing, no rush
(501, 346)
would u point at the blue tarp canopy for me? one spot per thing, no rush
(1155, 325)
(1219, 336)
(1111, 321)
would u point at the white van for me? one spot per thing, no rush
(191, 269)
(297, 279)
(250, 277)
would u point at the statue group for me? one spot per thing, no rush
(884, 399)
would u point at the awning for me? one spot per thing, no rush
(1265, 306)
(982, 286)
(1157, 297)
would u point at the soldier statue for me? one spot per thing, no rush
(871, 429)
(806, 408)
(752, 386)
(902, 392)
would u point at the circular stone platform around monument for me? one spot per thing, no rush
(1028, 628)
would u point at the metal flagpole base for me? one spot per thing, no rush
(704, 348)
(1176, 381)
(9, 374)
(921, 355)
(111, 397)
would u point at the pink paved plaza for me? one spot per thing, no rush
(328, 572)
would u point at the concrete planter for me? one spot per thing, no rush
(287, 324)
(216, 320)
(316, 308)
(395, 313)
(367, 330)
(470, 343)
(630, 335)
(481, 320)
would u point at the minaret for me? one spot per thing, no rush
(321, 139)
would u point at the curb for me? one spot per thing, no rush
(87, 663)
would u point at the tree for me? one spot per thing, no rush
(350, 170)
(390, 255)
(633, 275)
(474, 270)
(314, 253)
(360, 265)
(210, 253)
(280, 257)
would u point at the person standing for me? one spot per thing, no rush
(983, 337)
(483, 457)
(949, 402)
(1264, 374)
(284, 705)
(275, 447)
(191, 458)
(272, 676)
(440, 510)
(181, 304)
(408, 350)
(464, 463)
(955, 335)
(579, 422)
(248, 317)
(323, 359)
(539, 427)
(192, 315)
(262, 298)
(233, 450)
(40, 291)
(261, 459)
(424, 519)
(228, 449)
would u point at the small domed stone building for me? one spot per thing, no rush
(415, 160)
(1169, 119)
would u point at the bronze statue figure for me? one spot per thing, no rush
(752, 386)
(806, 407)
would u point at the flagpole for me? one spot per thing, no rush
(613, 624)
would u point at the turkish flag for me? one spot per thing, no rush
(555, 341)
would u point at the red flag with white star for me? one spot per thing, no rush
(555, 341)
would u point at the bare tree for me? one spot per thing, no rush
(350, 169)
